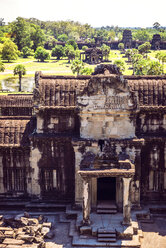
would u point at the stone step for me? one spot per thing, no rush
(30, 206)
(106, 239)
(147, 221)
(158, 210)
(106, 235)
(106, 206)
(45, 207)
(106, 211)
(103, 230)
(91, 242)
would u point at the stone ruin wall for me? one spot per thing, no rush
(52, 161)
(44, 165)
(16, 123)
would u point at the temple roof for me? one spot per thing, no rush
(14, 100)
(62, 90)
(151, 89)
(57, 91)
(15, 131)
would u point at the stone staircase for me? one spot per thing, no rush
(106, 207)
(106, 235)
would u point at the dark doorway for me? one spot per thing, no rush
(106, 189)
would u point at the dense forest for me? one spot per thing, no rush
(33, 32)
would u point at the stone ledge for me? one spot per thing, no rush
(107, 173)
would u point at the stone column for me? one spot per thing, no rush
(126, 201)
(135, 197)
(34, 188)
(86, 201)
(2, 189)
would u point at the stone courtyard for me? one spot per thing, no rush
(147, 230)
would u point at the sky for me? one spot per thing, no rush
(122, 13)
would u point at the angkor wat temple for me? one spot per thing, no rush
(127, 40)
(86, 138)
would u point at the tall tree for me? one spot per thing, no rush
(121, 46)
(105, 51)
(26, 51)
(144, 48)
(41, 54)
(37, 36)
(148, 67)
(72, 43)
(20, 71)
(70, 52)
(128, 54)
(20, 32)
(58, 51)
(134, 59)
(142, 35)
(9, 50)
(161, 56)
(63, 37)
(156, 25)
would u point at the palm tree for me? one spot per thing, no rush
(19, 70)
(120, 63)
(77, 66)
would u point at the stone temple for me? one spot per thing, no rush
(86, 140)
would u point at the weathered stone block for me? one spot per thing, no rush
(85, 230)
(33, 221)
(9, 241)
(9, 234)
(25, 237)
(47, 224)
(45, 230)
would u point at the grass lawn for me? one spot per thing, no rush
(59, 67)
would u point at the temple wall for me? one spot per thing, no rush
(57, 121)
(153, 168)
(106, 115)
(15, 171)
(151, 123)
(2, 189)
(83, 123)
(52, 162)
(106, 125)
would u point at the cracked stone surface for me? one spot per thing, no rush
(154, 234)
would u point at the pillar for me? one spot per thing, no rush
(34, 189)
(86, 201)
(135, 186)
(2, 189)
(126, 201)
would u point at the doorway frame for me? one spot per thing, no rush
(119, 192)
(110, 189)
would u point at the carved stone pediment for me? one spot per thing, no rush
(108, 91)
(106, 105)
